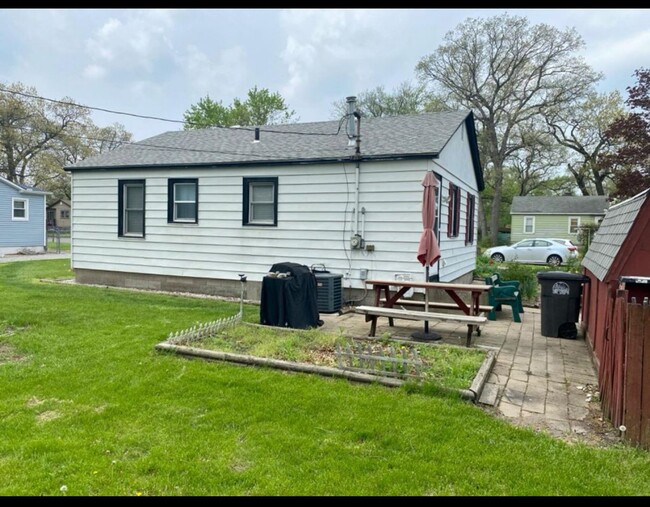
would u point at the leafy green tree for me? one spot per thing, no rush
(404, 99)
(507, 72)
(206, 113)
(580, 127)
(261, 107)
(31, 126)
(38, 137)
(82, 140)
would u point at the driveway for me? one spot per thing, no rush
(34, 257)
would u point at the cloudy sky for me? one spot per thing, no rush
(159, 62)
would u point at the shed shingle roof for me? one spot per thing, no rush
(610, 235)
(406, 135)
(560, 205)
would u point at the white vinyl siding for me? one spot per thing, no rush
(315, 209)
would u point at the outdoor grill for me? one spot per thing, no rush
(289, 297)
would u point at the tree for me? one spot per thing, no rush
(630, 163)
(30, 126)
(508, 72)
(580, 127)
(82, 140)
(405, 99)
(261, 107)
(537, 166)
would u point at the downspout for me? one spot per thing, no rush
(357, 172)
(351, 115)
(45, 223)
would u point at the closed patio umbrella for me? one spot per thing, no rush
(428, 250)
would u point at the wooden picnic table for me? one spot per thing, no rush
(384, 307)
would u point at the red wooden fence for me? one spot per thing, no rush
(624, 375)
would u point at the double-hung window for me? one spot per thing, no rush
(131, 199)
(469, 230)
(183, 200)
(453, 218)
(529, 225)
(19, 209)
(574, 225)
(260, 206)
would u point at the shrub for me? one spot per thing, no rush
(484, 266)
(527, 276)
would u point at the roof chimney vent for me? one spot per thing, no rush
(350, 126)
(257, 135)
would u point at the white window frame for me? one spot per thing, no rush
(14, 218)
(175, 202)
(529, 232)
(249, 203)
(577, 225)
(126, 185)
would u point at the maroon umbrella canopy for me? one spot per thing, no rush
(428, 251)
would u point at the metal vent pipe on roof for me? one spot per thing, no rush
(352, 104)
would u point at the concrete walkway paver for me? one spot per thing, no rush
(544, 383)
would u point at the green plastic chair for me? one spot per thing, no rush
(500, 294)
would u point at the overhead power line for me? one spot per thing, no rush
(157, 118)
(142, 144)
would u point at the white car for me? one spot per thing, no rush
(569, 244)
(532, 251)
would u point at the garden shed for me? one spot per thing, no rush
(614, 317)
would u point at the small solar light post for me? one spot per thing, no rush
(242, 279)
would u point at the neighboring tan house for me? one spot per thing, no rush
(191, 210)
(58, 214)
(554, 216)
(22, 218)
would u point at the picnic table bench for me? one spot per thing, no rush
(472, 315)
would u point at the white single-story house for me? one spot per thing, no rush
(191, 210)
(22, 218)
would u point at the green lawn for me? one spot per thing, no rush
(89, 407)
(63, 245)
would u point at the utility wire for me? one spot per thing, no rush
(142, 144)
(157, 118)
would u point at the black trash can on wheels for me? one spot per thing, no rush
(560, 306)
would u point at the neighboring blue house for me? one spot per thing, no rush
(22, 218)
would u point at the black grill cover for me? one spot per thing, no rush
(291, 301)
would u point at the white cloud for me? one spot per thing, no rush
(94, 71)
(618, 52)
(328, 43)
(137, 42)
(219, 74)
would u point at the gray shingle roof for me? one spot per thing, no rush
(610, 235)
(560, 205)
(23, 186)
(386, 137)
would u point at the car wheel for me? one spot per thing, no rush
(554, 260)
(497, 257)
